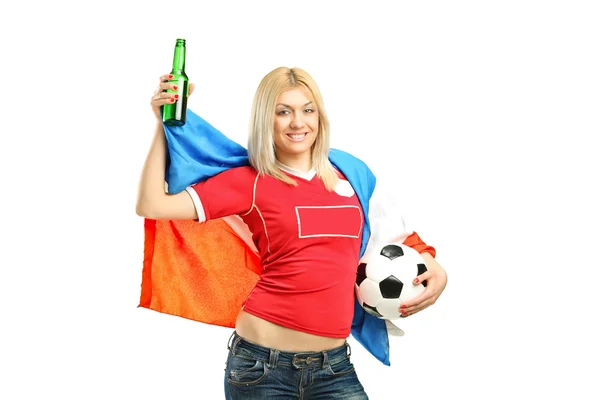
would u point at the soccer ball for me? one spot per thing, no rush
(385, 280)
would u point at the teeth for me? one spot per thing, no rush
(300, 136)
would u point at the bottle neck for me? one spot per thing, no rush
(179, 59)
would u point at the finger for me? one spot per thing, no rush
(413, 312)
(419, 302)
(168, 87)
(162, 98)
(163, 94)
(163, 83)
(166, 77)
(421, 297)
(406, 312)
(191, 88)
(422, 278)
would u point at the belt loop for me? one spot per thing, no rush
(237, 340)
(325, 360)
(348, 350)
(229, 341)
(273, 357)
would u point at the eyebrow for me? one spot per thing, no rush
(285, 105)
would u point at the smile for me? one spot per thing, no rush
(297, 137)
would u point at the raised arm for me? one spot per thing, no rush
(153, 202)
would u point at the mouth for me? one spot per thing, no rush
(297, 137)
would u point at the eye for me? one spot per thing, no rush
(283, 112)
(309, 110)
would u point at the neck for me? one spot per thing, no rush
(303, 164)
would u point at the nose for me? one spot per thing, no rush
(297, 120)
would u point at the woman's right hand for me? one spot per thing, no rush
(162, 97)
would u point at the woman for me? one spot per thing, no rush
(308, 226)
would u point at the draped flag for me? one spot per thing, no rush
(204, 271)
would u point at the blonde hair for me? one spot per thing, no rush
(261, 145)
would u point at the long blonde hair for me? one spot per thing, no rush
(261, 145)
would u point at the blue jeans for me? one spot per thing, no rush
(255, 372)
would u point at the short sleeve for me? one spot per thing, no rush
(228, 193)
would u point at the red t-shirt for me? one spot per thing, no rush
(308, 240)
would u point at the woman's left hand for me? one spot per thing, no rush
(436, 278)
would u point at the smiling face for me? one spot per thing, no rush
(296, 128)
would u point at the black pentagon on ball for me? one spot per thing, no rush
(372, 310)
(422, 268)
(361, 273)
(390, 287)
(392, 251)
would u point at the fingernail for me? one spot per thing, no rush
(175, 87)
(416, 280)
(176, 96)
(170, 76)
(403, 306)
(172, 100)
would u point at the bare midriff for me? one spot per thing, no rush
(268, 334)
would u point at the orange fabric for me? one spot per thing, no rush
(202, 272)
(413, 240)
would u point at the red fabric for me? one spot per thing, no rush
(309, 243)
(414, 241)
(335, 221)
(228, 193)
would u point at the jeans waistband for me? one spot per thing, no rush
(237, 345)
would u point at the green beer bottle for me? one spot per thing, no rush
(174, 114)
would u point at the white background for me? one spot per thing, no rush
(485, 115)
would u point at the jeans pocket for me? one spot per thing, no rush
(341, 368)
(246, 371)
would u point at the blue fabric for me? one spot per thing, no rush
(197, 151)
